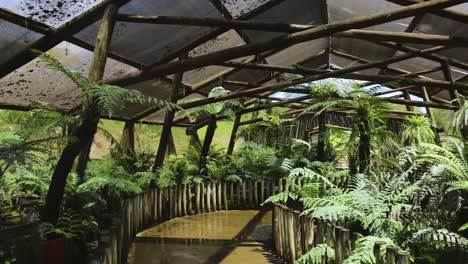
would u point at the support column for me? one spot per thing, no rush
(166, 133)
(84, 133)
(235, 127)
(171, 149)
(194, 139)
(127, 140)
(407, 96)
(210, 130)
(454, 96)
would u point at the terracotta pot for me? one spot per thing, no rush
(53, 251)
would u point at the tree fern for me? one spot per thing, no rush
(109, 98)
(317, 255)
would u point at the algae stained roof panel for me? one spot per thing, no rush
(148, 43)
(14, 39)
(53, 13)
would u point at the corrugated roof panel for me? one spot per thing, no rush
(148, 43)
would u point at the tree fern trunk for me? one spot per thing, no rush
(364, 148)
(84, 133)
(321, 138)
(207, 142)
(81, 136)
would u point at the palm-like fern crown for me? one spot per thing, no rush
(109, 98)
(417, 130)
(226, 108)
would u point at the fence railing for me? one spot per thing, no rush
(294, 235)
(161, 204)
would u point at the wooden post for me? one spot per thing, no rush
(244, 195)
(208, 196)
(225, 196)
(250, 193)
(403, 257)
(84, 133)
(220, 196)
(391, 255)
(239, 186)
(235, 127)
(262, 191)
(407, 96)
(231, 194)
(377, 247)
(338, 246)
(166, 134)
(127, 140)
(255, 190)
(210, 130)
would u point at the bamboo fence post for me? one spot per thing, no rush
(231, 194)
(197, 198)
(239, 186)
(179, 200)
(160, 202)
(225, 196)
(280, 186)
(346, 241)
(189, 190)
(291, 234)
(391, 255)
(220, 197)
(275, 228)
(377, 247)
(403, 257)
(298, 238)
(213, 195)
(320, 237)
(184, 199)
(329, 234)
(262, 191)
(339, 254)
(244, 195)
(208, 197)
(202, 195)
(250, 193)
(255, 190)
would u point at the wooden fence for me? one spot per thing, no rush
(161, 204)
(294, 235)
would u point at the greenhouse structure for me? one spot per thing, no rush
(233, 131)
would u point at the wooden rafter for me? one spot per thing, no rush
(451, 14)
(226, 24)
(53, 38)
(405, 37)
(284, 42)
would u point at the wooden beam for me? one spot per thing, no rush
(50, 40)
(283, 41)
(232, 139)
(418, 103)
(166, 135)
(275, 104)
(215, 22)
(394, 90)
(342, 73)
(212, 34)
(405, 37)
(447, 13)
(251, 121)
(427, 98)
(454, 96)
(407, 56)
(429, 56)
(25, 22)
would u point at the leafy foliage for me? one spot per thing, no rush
(417, 130)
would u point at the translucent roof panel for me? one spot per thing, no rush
(35, 85)
(147, 43)
(238, 8)
(14, 39)
(291, 11)
(226, 40)
(346, 63)
(299, 52)
(53, 13)
(432, 24)
(345, 9)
